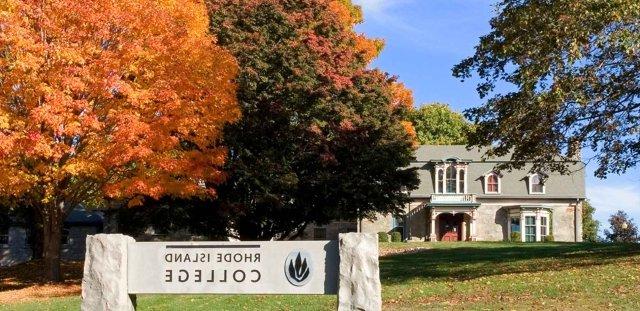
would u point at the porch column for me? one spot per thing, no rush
(432, 229)
(463, 230)
(522, 227)
(472, 227)
(538, 237)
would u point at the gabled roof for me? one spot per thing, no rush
(79, 216)
(438, 153)
(514, 183)
(427, 153)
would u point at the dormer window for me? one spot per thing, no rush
(536, 185)
(450, 178)
(492, 183)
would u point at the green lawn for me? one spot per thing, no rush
(458, 276)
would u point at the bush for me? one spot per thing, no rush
(516, 237)
(548, 238)
(383, 237)
(396, 237)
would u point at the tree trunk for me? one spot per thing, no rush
(52, 231)
(36, 238)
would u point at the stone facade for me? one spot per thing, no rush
(328, 232)
(492, 221)
(462, 197)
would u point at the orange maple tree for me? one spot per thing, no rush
(109, 99)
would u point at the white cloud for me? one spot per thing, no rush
(374, 5)
(386, 12)
(609, 198)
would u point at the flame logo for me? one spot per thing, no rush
(298, 268)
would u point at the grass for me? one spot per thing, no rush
(477, 276)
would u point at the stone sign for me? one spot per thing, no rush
(291, 267)
(116, 268)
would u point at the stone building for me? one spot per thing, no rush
(464, 198)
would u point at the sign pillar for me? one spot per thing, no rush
(104, 282)
(359, 281)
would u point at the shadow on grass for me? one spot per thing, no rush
(466, 263)
(34, 273)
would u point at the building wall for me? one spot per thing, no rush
(492, 220)
(17, 250)
(416, 218)
(491, 223)
(75, 247)
(331, 230)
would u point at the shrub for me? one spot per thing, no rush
(548, 238)
(516, 237)
(383, 237)
(396, 237)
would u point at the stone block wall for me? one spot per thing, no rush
(331, 230)
(381, 224)
(492, 221)
(563, 223)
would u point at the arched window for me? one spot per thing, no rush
(439, 181)
(461, 181)
(535, 184)
(493, 183)
(451, 179)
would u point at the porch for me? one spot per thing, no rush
(452, 217)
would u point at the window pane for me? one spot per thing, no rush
(535, 179)
(319, 233)
(461, 181)
(530, 228)
(515, 224)
(492, 183)
(537, 188)
(536, 184)
(530, 220)
(451, 179)
(440, 181)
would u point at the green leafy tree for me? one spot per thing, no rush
(589, 225)
(622, 229)
(322, 137)
(570, 69)
(437, 124)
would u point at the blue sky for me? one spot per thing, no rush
(424, 39)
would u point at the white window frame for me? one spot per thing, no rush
(443, 182)
(464, 185)
(546, 226)
(439, 183)
(522, 214)
(486, 183)
(536, 225)
(544, 188)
